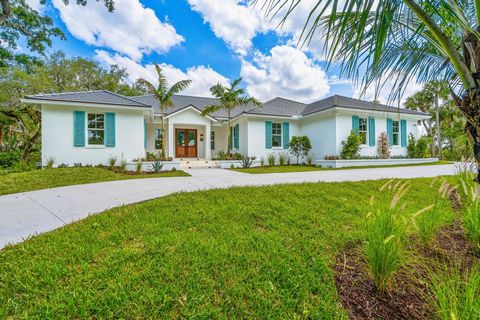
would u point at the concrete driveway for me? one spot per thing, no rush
(23, 215)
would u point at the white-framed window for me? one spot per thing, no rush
(212, 140)
(396, 133)
(158, 139)
(96, 129)
(363, 129)
(276, 135)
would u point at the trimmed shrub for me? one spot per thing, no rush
(351, 147)
(9, 158)
(417, 148)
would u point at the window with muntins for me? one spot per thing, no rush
(158, 139)
(363, 129)
(212, 140)
(96, 129)
(396, 133)
(276, 135)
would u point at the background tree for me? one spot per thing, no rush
(229, 98)
(19, 21)
(300, 146)
(401, 40)
(164, 95)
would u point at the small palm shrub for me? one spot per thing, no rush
(50, 162)
(351, 147)
(271, 157)
(385, 230)
(156, 166)
(283, 158)
(456, 294)
(138, 167)
(246, 161)
(427, 222)
(112, 161)
(383, 146)
(123, 165)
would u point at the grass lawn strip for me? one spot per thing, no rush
(251, 252)
(51, 178)
(304, 168)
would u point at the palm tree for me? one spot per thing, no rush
(401, 40)
(164, 95)
(229, 98)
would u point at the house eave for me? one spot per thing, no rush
(83, 104)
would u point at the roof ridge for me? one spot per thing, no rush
(125, 97)
(64, 93)
(287, 99)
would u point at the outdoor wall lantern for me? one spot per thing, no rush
(201, 136)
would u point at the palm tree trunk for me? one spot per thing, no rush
(470, 107)
(163, 135)
(430, 133)
(437, 118)
(228, 134)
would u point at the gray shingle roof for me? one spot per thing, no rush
(181, 101)
(275, 107)
(97, 97)
(345, 102)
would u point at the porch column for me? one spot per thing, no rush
(208, 149)
(171, 143)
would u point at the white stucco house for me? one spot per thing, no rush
(90, 127)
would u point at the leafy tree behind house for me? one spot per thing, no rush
(300, 146)
(399, 41)
(163, 94)
(229, 98)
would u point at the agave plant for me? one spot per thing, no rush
(156, 166)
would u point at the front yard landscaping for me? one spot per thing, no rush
(253, 252)
(303, 168)
(59, 177)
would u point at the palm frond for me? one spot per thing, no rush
(178, 87)
(211, 109)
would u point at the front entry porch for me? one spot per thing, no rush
(186, 143)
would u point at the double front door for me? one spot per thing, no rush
(185, 143)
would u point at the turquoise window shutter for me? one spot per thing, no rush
(286, 135)
(372, 137)
(355, 124)
(268, 134)
(109, 129)
(231, 137)
(403, 132)
(237, 136)
(79, 128)
(390, 131)
(144, 133)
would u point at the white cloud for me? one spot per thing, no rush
(382, 92)
(132, 29)
(202, 77)
(287, 72)
(230, 20)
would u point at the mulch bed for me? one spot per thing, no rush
(409, 297)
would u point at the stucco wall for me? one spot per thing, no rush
(344, 127)
(57, 136)
(220, 139)
(321, 130)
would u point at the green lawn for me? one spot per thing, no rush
(303, 168)
(50, 178)
(240, 253)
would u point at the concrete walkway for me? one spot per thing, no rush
(26, 214)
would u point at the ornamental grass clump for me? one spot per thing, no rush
(385, 228)
(283, 158)
(271, 157)
(427, 222)
(456, 294)
(470, 194)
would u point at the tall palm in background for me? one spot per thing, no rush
(163, 94)
(229, 98)
(399, 41)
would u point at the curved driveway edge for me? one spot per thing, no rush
(23, 215)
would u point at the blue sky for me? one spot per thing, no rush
(208, 41)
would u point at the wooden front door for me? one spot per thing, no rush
(185, 143)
